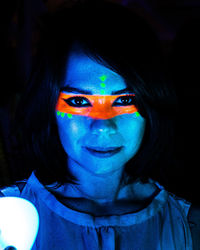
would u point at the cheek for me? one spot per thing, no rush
(70, 129)
(132, 127)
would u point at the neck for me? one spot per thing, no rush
(98, 188)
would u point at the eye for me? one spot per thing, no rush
(124, 101)
(78, 101)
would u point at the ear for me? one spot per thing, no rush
(194, 222)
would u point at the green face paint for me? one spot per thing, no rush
(137, 114)
(62, 114)
(102, 92)
(103, 78)
(103, 85)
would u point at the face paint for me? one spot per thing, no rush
(96, 106)
(103, 78)
(102, 92)
(137, 114)
(102, 84)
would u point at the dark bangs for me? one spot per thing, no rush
(119, 39)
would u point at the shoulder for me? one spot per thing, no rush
(194, 222)
(13, 190)
(194, 215)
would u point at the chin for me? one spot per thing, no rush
(100, 169)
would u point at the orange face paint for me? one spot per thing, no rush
(97, 106)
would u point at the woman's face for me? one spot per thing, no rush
(101, 141)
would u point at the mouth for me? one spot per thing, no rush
(103, 152)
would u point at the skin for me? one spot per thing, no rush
(99, 177)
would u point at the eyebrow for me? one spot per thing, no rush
(68, 89)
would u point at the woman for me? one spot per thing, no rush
(97, 120)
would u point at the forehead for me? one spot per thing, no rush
(85, 73)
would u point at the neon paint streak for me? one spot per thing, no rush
(103, 78)
(101, 106)
(102, 92)
(137, 114)
(103, 85)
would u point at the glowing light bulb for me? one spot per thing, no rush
(19, 222)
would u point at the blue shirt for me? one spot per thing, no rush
(162, 225)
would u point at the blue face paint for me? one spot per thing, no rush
(100, 146)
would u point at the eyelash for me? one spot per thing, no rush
(69, 101)
(131, 100)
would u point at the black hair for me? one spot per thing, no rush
(116, 37)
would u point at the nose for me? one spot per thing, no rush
(103, 127)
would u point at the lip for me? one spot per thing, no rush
(103, 152)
